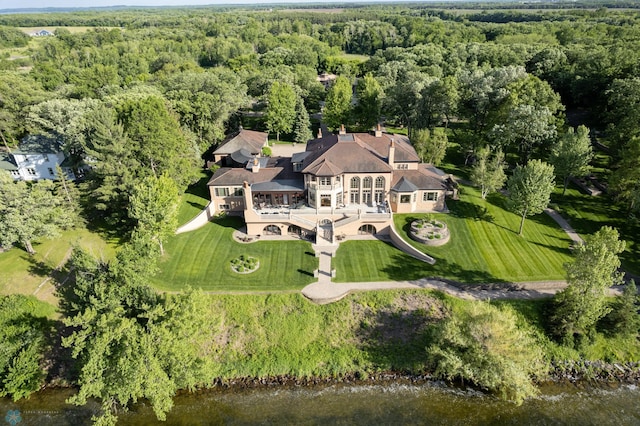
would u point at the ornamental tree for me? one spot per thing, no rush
(530, 189)
(488, 171)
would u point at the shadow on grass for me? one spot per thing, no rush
(406, 268)
(200, 188)
(199, 206)
(303, 272)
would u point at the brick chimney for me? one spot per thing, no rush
(319, 133)
(378, 131)
(392, 152)
(255, 168)
(342, 130)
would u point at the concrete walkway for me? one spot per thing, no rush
(564, 225)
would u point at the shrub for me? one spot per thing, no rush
(484, 344)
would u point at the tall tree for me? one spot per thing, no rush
(29, 212)
(431, 145)
(367, 110)
(530, 188)
(337, 108)
(488, 171)
(23, 332)
(571, 154)
(302, 126)
(525, 128)
(281, 109)
(594, 269)
(154, 205)
(625, 180)
(130, 342)
(624, 317)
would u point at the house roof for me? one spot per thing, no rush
(336, 154)
(405, 152)
(276, 169)
(241, 156)
(7, 162)
(424, 178)
(243, 139)
(38, 144)
(279, 185)
(404, 185)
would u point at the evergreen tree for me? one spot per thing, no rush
(302, 127)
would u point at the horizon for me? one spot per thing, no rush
(95, 4)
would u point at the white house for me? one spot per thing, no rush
(36, 158)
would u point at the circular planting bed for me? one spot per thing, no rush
(245, 264)
(430, 232)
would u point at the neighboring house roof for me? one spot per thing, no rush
(343, 154)
(7, 162)
(248, 140)
(426, 177)
(38, 144)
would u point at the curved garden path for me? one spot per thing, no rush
(325, 291)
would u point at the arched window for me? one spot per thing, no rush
(272, 230)
(379, 182)
(366, 183)
(367, 230)
(294, 230)
(355, 182)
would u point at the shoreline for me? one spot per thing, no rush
(596, 373)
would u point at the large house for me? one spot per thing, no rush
(344, 184)
(36, 158)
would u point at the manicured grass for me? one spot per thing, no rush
(195, 199)
(22, 273)
(484, 248)
(587, 214)
(201, 259)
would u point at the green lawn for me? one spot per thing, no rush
(195, 199)
(587, 214)
(22, 273)
(484, 248)
(201, 259)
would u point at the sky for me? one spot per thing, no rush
(21, 4)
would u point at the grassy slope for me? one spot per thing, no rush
(267, 335)
(484, 247)
(201, 259)
(285, 334)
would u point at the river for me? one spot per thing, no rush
(390, 404)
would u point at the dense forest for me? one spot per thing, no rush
(145, 94)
